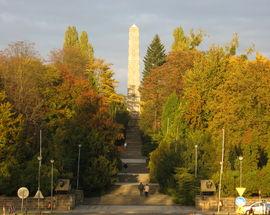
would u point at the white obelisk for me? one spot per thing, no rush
(133, 95)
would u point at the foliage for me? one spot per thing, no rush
(155, 55)
(184, 42)
(189, 99)
(71, 37)
(61, 99)
(159, 84)
(185, 188)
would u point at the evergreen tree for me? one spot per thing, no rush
(155, 55)
(71, 37)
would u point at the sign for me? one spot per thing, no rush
(63, 185)
(208, 186)
(23, 193)
(38, 195)
(240, 190)
(240, 201)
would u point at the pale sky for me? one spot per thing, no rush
(44, 22)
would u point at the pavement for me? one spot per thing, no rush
(126, 210)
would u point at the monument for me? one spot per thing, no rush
(133, 95)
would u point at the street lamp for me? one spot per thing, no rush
(52, 161)
(78, 169)
(240, 159)
(196, 160)
(39, 168)
(221, 169)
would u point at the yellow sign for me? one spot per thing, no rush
(240, 190)
(240, 210)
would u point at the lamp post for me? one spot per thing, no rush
(78, 169)
(196, 160)
(221, 169)
(240, 159)
(38, 193)
(52, 161)
(39, 169)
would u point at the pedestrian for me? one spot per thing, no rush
(4, 210)
(125, 145)
(146, 190)
(125, 166)
(141, 188)
(12, 210)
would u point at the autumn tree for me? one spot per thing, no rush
(183, 42)
(60, 99)
(71, 37)
(86, 47)
(159, 84)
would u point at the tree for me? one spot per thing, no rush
(57, 97)
(71, 37)
(168, 115)
(11, 126)
(23, 73)
(102, 79)
(155, 56)
(184, 42)
(159, 84)
(86, 47)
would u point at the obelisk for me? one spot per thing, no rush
(133, 95)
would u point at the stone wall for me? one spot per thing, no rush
(61, 202)
(209, 203)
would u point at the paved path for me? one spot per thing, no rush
(131, 209)
(132, 160)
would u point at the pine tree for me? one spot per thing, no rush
(71, 37)
(155, 56)
(85, 46)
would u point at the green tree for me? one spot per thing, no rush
(71, 37)
(168, 115)
(184, 42)
(86, 47)
(155, 56)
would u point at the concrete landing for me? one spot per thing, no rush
(134, 209)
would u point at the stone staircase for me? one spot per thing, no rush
(125, 190)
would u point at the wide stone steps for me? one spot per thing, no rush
(133, 177)
(125, 190)
(135, 168)
(132, 155)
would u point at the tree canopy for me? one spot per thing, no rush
(189, 99)
(155, 55)
(70, 99)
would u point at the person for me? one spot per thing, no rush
(125, 145)
(146, 190)
(4, 210)
(125, 166)
(12, 210)
(141, 188)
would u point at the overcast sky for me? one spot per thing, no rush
(107, 21)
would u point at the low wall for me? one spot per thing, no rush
(60, 202)
(210, 203)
